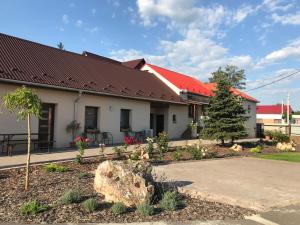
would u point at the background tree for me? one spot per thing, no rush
(226, 115)
(25, 103)
(235, 76)
(61, 46)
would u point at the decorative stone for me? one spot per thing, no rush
(287, 147)
(124, 181)
(237, 148)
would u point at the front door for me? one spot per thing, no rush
(46, 126)
(159, 124)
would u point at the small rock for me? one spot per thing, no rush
(237, 148)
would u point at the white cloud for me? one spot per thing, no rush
(79, 23)
(61, 29)
(115, 3)
(194, 55)
(288, 19)
(65, 19)
(292, 50)
(242, 13)
(277, 5)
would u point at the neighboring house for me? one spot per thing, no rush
(296, 119)
(98, 92)
(272, 114)
(196, 93)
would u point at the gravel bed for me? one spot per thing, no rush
(48, 187)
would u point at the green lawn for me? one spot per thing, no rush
(286, 156)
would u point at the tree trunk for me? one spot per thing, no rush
(28, 153)
(222, 142)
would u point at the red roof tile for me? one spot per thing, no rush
(36, 64)
(272, 109)
(212, 87)
(183, 82)
(193, 85)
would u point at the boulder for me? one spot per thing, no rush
(124, 181)
(236, 148)
(287, 147)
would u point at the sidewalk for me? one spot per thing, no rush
(39, 158)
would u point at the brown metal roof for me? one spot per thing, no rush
(37, 64)
(135, 64)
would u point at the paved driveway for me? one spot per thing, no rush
(249, 182)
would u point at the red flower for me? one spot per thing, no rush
(78, 139)
(87, 140)
(129, 140)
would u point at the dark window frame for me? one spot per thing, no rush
(174, 118)
(125, 123)
(95, 122)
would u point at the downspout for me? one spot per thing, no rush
(74, 104)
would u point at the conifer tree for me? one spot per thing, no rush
(226, 115)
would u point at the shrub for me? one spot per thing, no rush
(90, 205)
(257, 149)
(33, 208)
(150, 147)
(162, 142)
(71, 196)
(52, 167)
(145, 209)
(278, 136)
(177, 154)
(119, 208)
(84, 175)
(134, 156)
(196, 152)
(170, 201)
(81, 144)
(120, 150)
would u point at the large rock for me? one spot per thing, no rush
(237, 148)
(124, 181)
(287, 147)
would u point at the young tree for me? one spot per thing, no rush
(26, 104)
(226, 115)
(235, 76)
(61, 46)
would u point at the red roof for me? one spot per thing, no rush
(212, 87)
(193, 85)
(272, 109)
(182, 81)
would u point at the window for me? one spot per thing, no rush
(91, 118)
(277, 121)
(249, 109)
(191, 111)
(125, 120)
(174, 118)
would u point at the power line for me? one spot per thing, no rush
(282, 78)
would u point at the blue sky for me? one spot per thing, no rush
(189, 36)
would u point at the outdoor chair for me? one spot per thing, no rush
(106, 138)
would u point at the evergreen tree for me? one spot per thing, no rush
(235, 76)
(61, 46)
(226, 115)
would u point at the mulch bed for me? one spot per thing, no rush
(48, 187)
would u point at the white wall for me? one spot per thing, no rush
(175, 130)
(269, 116)
(250, 124)
(108, 118)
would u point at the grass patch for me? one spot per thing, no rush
(52, 167)
(33, 208)
(285, 156)
(118, 208)
(71, 196)
(90, 205)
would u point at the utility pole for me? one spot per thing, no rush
(288, 114)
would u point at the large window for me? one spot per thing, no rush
(191, 111)
(91, 118)
(125, 120)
